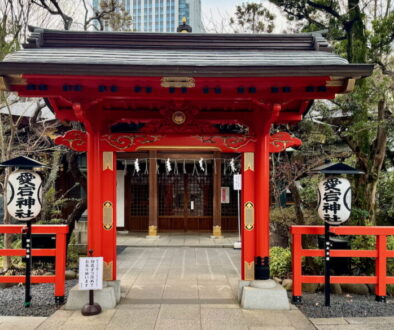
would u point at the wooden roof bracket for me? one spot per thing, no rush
(13, 79)
(347, 83)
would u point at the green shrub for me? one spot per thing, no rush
(363, 265)
(72, 254)
(280, 262)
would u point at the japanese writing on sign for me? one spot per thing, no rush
(91, 273)
(24, 195)
(334, 200)
(237, 182)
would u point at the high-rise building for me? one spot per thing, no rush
(162, 15)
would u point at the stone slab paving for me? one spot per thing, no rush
(185, 288)
(20, 322)
(179, 288)
(356, 323)
(136, 239)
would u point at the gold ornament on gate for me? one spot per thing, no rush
(249, 215)
(178, 117)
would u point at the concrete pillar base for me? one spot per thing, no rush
(266, 294)
(237, 245)
(107, 298)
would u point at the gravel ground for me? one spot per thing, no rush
(42, 304)
(346, 305)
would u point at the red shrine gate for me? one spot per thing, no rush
(212, 93)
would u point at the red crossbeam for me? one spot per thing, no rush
(22, 279)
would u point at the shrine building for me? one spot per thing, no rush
(168, 118)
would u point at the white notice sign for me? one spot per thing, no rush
(237, 182)
(91, 273)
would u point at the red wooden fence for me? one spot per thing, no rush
(59, 253)
(380, 253)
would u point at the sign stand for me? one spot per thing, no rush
(28, 262)
(91, 308)
(237, 185)
(327, 279)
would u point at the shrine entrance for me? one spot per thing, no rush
(185, 198)
(180, 192)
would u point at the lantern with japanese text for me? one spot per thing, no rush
(24, 195)
(334, 200)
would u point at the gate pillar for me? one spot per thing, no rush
(248, 216)
(101, 177)
(262, 206)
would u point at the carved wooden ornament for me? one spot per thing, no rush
(281, 141)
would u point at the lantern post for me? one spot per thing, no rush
(24, 194)
(334, 208)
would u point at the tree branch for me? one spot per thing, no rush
(328, 9)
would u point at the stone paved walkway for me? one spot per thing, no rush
(176, 239)
(354, 323)
(185, 288)
(179, 288)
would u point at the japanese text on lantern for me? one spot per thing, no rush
(24, 195)
(331, 197)
(25, 199)
(334, 200)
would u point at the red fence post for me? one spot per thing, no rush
(60, 267)
(381, 267)
(297, 268)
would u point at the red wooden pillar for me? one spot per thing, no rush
(101, 173)
(108, 202)
(262, 205)
(247, 216)
(381, 268)
(94, 166)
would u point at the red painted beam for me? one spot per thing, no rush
(22, 252)
(344, 230)
(22, 279)
(340, 279)
(35, 229)
(340, 253)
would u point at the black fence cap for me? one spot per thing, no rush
(337, 168)
(22, 162)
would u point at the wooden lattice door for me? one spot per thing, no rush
(185, 198)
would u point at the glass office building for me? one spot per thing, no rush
(162, 15)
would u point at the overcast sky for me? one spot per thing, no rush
(216, 14)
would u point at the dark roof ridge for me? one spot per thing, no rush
(46, 38)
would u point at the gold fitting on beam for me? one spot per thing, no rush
(12, 79)
(249, 215)
(107, 215)
(108, 160)
(249, 161)
(249, 271)
(178, 82)
(107, 271)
